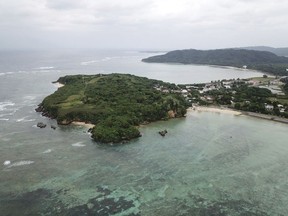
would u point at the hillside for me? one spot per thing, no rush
(278, 51)
(258, 60)
(115, 103)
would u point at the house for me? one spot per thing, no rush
(280, 106)
(269, 107)
(253, 82)
(184, 91)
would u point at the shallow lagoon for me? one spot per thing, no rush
(207, 164)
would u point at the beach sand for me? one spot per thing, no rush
(214, 109)
(87, 125)
(58, 85)
(237, 113)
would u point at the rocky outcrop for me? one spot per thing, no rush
(42, 110)
(172, 114)
(163, 133)
(41, 125)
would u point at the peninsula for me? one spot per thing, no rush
(115, 103)
(242, 58)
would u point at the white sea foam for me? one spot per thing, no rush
(78, 144)
(4, 119)
(97, 61)
(21, 163)
(7, 109)
(47, 151)
(6, 73)
(8, 113)
(29, 97)
(90, 62)
(45, 68)
(24, 119)
(6, 163)
(5, 104)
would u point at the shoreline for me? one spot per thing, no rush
(215, 109)
(219, 109)
(84, 124)
(58, 84)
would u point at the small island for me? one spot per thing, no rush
(115, 103)
(241, 58)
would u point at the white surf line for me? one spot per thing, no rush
(78, 144)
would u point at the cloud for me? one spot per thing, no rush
(153, 19)
(64, 4)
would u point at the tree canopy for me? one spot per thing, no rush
(251, 59)
(115, 103)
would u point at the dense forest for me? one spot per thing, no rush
(283, 51)
(115, 103)
(251, 59)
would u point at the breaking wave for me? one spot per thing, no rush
(4, 119)
(44, 68)
(21, 163)
(5, 104)
(78, 144)
(97, 61)
(24, 119)
(47, 151)
(7, 109)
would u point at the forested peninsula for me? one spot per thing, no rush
(115, 103)
(251, 59)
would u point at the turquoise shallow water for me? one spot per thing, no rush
(207, 164)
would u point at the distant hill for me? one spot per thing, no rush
(253, 59)
(278, 51)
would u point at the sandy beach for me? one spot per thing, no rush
(236, 112)
(87, 125)
(58, 85)
(214, 109)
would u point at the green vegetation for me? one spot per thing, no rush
(115, 103)
(241, 95)
(278, 51)
(251, 59)
(285, 86)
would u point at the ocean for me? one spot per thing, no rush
(207, 164)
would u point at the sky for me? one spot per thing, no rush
(142, 24)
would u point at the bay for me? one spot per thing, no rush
(208, 164)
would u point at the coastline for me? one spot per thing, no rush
(87, 125)
(58, 84)
(219, 109)
(215, 109)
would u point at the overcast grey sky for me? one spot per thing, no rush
(146, 24)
